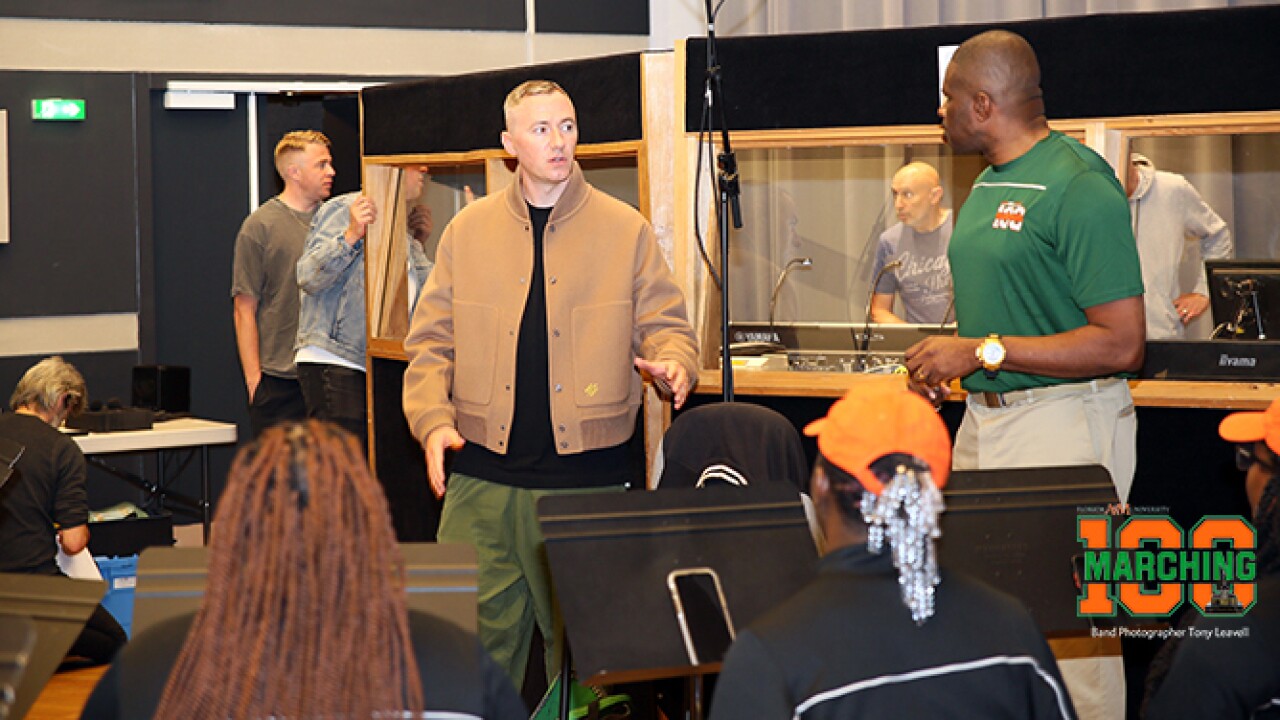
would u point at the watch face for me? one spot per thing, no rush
(992, 352)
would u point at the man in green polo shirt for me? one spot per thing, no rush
(1048, 296)
(1047, 284)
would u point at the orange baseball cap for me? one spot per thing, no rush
(1243, 427)
(869, 423)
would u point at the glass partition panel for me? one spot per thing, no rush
(616, 176)
(829, 205)
(1235, 175)
(445, 194)
(413, 208)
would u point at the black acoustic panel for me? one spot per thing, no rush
(73, 197)
(464, 112)
(436, 14)
(1091, 66)
(616, 17)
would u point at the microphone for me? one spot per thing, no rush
(866, 326)
(804, 262)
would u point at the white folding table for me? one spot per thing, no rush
(166, 435)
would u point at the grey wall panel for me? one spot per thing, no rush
(200, 170)
(73, 198)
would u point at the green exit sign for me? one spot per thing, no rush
(57, 109)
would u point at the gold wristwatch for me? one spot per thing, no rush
(991, 354)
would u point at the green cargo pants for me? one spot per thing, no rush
(501, 523)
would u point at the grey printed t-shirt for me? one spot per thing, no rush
(924, 279)
(265, 266)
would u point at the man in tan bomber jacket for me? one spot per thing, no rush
(548, 302)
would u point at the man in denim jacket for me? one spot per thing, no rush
(331, 325)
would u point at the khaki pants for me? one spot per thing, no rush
(514, 581)
(1075, 424)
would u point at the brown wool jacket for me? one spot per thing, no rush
(610, 298)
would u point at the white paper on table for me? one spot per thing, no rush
(80, 566)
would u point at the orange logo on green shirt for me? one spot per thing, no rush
(1009, 216)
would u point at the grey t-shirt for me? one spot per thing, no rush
(924, 279)
(266, 267)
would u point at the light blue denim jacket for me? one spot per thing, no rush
(331, 283)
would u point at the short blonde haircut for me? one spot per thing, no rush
(46, 382)
(526, 89)
(296, 142)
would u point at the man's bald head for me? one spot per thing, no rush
(917, 196)
(1004, 66)
(919, 171)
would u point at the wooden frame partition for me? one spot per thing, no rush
(1110, 137)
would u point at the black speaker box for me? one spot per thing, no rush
(162, 387)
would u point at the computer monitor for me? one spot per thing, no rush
(1245, 298)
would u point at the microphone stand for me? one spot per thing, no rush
(728, 199)
(866, 323)
(803, 262)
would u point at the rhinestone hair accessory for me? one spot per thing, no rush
(906, 514)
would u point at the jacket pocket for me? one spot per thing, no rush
(602, 355)
(475, 330)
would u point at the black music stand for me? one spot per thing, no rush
(17, 640)
(1015, 529)
(58, 607)
(611, 557)
(441, 580)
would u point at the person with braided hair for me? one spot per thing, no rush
(883, 632)
(304, 613)
(1228, 666)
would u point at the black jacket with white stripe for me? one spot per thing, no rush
(846, 647)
